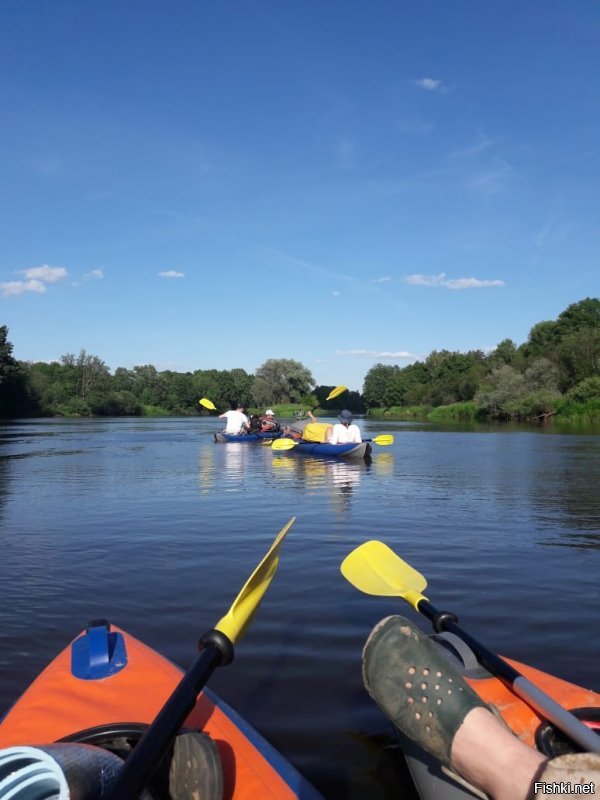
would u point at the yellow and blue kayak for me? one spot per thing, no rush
(352, 450)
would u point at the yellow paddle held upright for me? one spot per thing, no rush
(237, 619)
(336, 392)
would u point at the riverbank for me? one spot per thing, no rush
(563, 412)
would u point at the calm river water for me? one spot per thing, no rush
(150, 523)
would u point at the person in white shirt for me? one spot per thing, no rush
(237, 421)
(345, 431)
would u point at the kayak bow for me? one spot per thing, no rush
(107, 687)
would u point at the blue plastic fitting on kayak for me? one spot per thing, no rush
(99, 653)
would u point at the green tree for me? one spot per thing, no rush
(14, 397)
(584, 314)
(53, 385)
(579, 355)
(123, 380)
(281, 380)
(542, 340)
(588, 389)
(505, 352)
(181, 398)
(376, 383)
(242, 386)
(541, 375)
(504, 386)
(453, 376)
(117, 404)
(351, 400)
(92, 374)
(149, 385)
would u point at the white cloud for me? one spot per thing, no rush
(390, 354)
(95, 274)
(383, 279)
(450, 283)
(171, 273)
(37, 278)
(429, 84)
(45, 273)
(335, 293)
(13, 288)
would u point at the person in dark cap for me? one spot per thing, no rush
(345, 431)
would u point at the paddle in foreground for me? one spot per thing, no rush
(375, 569)
(106, 675)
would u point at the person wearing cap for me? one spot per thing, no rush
(345, 431)
(237, 421)
(268, 422)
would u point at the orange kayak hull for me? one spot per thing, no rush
(58, 704)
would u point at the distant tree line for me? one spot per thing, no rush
(82, 385)
(557, 366)
(559, 363)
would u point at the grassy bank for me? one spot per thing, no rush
(563, 411)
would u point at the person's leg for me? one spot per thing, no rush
(493, 759)
(425, 696)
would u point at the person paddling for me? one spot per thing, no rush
(237, 421)
(268, 422)
(345, 431)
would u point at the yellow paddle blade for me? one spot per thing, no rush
(336, 392)
(207, 404)
(384, 439)
(283, 444)
(375, 569)
(237, 619)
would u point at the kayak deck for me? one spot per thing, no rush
(59, 704)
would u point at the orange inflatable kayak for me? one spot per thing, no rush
(434, 782)
(106, 687)
(545, 712)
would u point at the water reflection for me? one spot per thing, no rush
(309, 475)
(4, 482)
(383, 465)
(206, 469)
(235, 457)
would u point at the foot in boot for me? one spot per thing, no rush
(416, 686)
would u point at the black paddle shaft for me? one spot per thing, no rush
(216, 650)
(446, 621)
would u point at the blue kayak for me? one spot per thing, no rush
(221, 436)
(362, 450)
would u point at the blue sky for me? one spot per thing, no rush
(197, 184)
